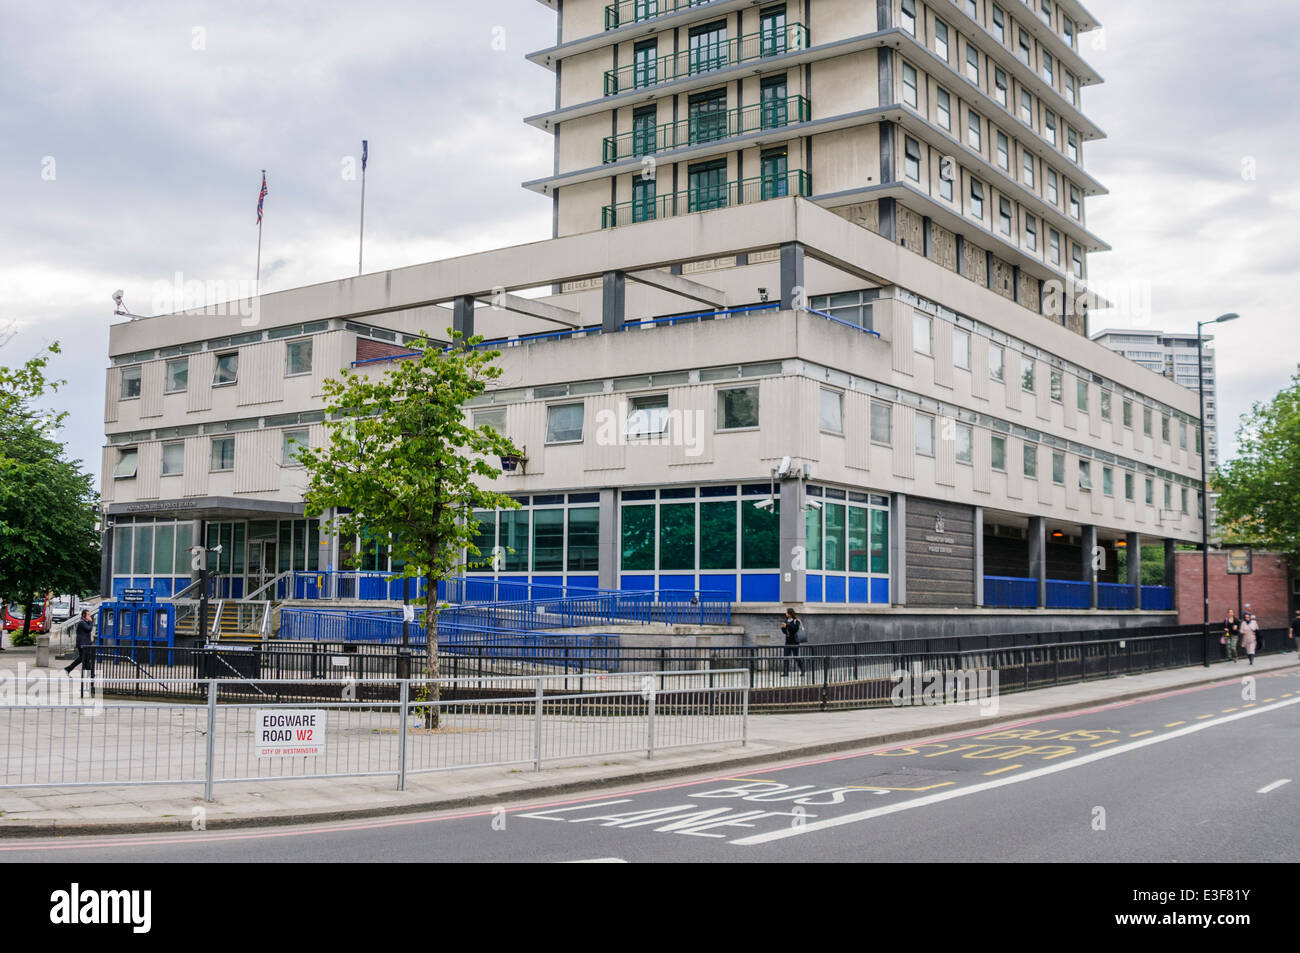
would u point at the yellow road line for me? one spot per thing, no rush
(1227, 710)
(1174, 724)
(1203, 717)
(1251, 705)
(851, 787)
(1139, 734)
(1267, 700)
(1098, 744)
(1010, 767)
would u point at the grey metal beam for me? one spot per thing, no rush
(978, 539)
(534, 309)
(1038, 556)
(693, 290)
(1087, 547)
(792, 280)
(462, 316)
(794, 528)
(613, 311)
(1134, 559)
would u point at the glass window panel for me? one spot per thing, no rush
(297, 357)
(760, 537)
(718, 535)
(227, 371)
(514, 538)
(173, 461)
(142, 564)
(677, 536)
(882, 423)
(485, 538)
(184, 540)
(238, 532)
(813, 531)
(178, 376)
(122, 549)
(548, 540)
(164, 549)
(564, 423)
(857, 539)
(737, 408)
(638, 538)
(832, 411)
(834, 548)
(880, 541)
(313, 545)
(286, 547)
(584, 539)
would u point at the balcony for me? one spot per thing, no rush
(710, 127)
(623, 12)
(704, 198)
(706, 58)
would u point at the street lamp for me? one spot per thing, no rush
(1205, 491)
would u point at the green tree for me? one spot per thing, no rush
(402, 461)
(1259, 489)
(48, 505)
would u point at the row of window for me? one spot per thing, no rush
(708, 49)
(221, 455)
(176, 376)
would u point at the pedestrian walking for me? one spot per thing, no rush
(1231, 633)
(85, 646)
(1249, 635)
(795, 636)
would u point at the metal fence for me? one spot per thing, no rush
(387, 727)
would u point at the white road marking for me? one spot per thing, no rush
(1274, 786)
(1001, 782)
(599, 860)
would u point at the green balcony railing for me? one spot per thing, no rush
(706, 57)
(700, 199)
(707, 127)
(624, 12)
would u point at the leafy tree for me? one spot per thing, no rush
(1259, 489)
(48, 505)
(402, 461)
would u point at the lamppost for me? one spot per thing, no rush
(1205, 491)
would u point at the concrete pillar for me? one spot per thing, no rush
(1171, 570)
(898, 549)
(613, 302)
(1087, 546)
(1134, 557)
(106, 562)
(462, 316)
(794, 539)
(979, 556)
(1038, 556)
(608, 546)
(792, 281)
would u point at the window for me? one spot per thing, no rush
(1150, 491)
(1004, 216)
(1182, 435)
(1031, 461)
(977, 199)
(1164, 428)
(707, 116)
(911, 159)
(1026, 107)
(832, 411)
(1071, 88)
(647, 416)
(584, 538)
(1076, 203)
(708, 45)
(1169, 495)
(775, 178)
(999, 453)
(1128, 413)
(1072, 144)
(973, 129)
(961, 348)
(943, 106)
(999, 25)
(972, 64)
(177, 377)
(1057, 392)
(1107, 481)
(643, 130)
(1182, 491)
(1058, 468)
(290, 443)
(1000, 87)
(127, 463)
(645, 64)
(1085, 475)
(494, 417)
(921, 334)
(924, 435)
(945, 185)
(297, 358)
(1076, 259)
(564, 423)
(1067, 29)
(1054, 246)
(1027, 374)
(882, 423)
(1128, 486)
(707, 185)
(1004, 152)
(173, 461)
(996, 359)
(772, 33)
(1031, 232)
(737, 408)
(223, 453)
(941, 39)
(1049, 68)
(909, 16)
(1105, 405)
(1049, 126)
(130, 382)
(965, 441)
(972, 9)
(643, 199)
(1028, 174)
(1024, 50)
(1045, 11)
(227, 371)
(910, 96)
(1053, 193)
(1081, 394)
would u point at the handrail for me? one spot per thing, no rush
(707, 58)
(757, 188)
(706, 128)
(252, 596)
(216, 619)
(623, 12)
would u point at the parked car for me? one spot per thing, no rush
(62, 608)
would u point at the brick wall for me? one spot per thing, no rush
(368, 350)
(1266, 589)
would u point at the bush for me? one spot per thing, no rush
(17, 639)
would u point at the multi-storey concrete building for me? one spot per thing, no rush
(1174, 356)
(846, 400)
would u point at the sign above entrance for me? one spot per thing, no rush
(1240, 559)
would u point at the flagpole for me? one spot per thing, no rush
(257, 283)
(361, 247)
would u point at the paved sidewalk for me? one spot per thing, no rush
(81, 810)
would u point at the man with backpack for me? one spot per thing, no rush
(795, 636)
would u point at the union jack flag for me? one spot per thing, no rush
(260, 196)
(365, 152)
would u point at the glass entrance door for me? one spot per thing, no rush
(261, 564)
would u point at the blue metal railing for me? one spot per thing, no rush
(1019, 592)
(1157, 598)
(847, 324)
(1010, 592)
(1114, 595)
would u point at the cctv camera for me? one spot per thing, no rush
(784, 469)
(215, 549)
(813, 504)
(763, 504)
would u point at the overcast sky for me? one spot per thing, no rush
(135, 133)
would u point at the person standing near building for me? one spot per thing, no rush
(794, 637)
(85, 642)
(1249, 635)
(1231, 633)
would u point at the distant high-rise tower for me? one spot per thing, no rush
(952, 128)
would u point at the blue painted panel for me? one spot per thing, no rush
(859, 589)
(548, 587)
(880, 591)
(142, 583)
(163, 587)
(584, 582)
(723, 585)
(760, 587)
(512, 589)
(637, 583)
(835, 589)
(814, 587)
(671, 583)
(120, 585)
